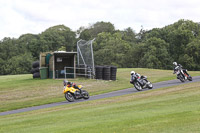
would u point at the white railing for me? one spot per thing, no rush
(87, 72)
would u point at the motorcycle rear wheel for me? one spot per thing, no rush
(69, 97)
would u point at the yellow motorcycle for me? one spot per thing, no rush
(72, 94)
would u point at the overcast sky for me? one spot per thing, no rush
(19, 17)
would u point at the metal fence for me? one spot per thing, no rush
(80, 71)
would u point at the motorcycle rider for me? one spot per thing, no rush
(140, 82)
(140, 78)
(66, 83)
(71, 84)
(137, 75)
(134, 74)
(179, 65)
(76, 87)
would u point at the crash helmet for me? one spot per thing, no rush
(65, 82)
(132, 72)
(175, 63)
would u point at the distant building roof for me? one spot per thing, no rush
(63, 53)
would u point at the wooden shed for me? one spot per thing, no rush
(59, 64)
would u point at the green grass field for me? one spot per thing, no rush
(19, 91)
(166, 110)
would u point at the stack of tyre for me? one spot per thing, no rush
(113, 72)
(106, 72)
(99, 72)
(36, 69)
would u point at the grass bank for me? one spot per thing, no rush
(19, 91)
(172, 109)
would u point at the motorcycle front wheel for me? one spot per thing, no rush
(137, 86)
(69, 97)
(150, 85)
(181, 78)
(85, 94)
(190, 78)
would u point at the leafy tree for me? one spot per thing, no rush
(192, 55)
(8, 48)
(2, 62)
(92, 31)
(155, 32)
(141, 35)
(179, 40)
(129, 35)
(19, 64)
(29, 43)
(137, 51)
(55, 37)
(156, 54)
(110, 49)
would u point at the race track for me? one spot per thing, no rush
(105, 95)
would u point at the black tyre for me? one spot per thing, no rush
(36, 64)
(150, 85)
(37, 69)
(99, 72)
(34, 70)
(190, 78)
(85, 94)
(137, 86)
(106, 73)
(69, 97)
(181, 78)
(113, 72)
(36, 75)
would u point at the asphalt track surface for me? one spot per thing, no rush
(105, 95)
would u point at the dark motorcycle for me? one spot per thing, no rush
(141, 82)
(182, 74)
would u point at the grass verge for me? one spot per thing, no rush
(171, 109)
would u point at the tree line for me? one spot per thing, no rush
(156, 48)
